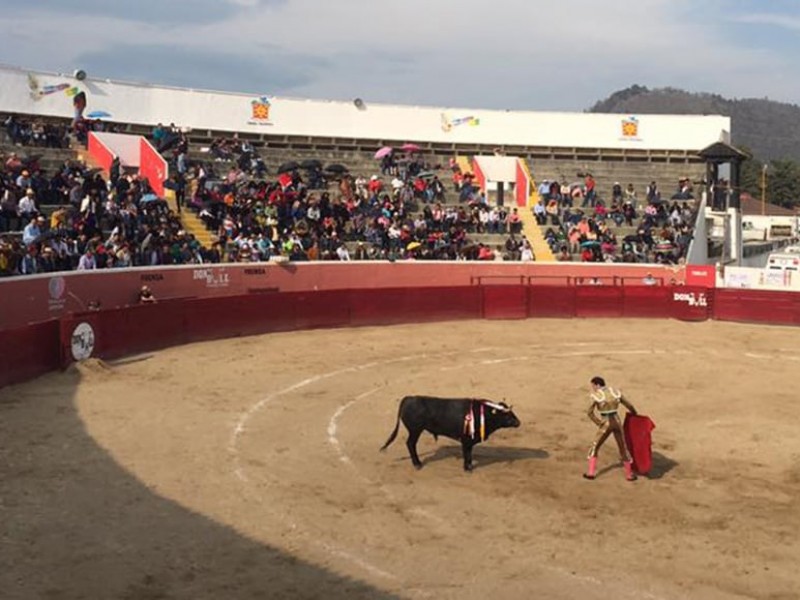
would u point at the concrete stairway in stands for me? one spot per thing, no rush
(532, 231)
(189, 219)
(464, 163)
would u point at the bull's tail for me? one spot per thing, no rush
(393, 435)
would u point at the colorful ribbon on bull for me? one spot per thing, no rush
(469, 421)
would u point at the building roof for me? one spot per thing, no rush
(723, 151)
(751, 206)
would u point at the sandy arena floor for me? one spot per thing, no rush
(249, 468)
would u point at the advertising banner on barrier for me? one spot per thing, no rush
(691, 303)
(701, 275)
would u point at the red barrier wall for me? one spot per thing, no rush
(780, 308)
(41, 297)
(35, 349)
(152, 166)
(29, 351)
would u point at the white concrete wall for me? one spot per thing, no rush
(127, 147)
(20, 92)
(498, 168)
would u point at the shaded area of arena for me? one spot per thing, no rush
(248, 468)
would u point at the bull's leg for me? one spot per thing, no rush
(466, 451)
(411, 443)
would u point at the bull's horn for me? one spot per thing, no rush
(497, 406)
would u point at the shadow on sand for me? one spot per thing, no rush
(661, 466)
(77, 525)
(484, 456)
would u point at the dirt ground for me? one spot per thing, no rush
(249, 468)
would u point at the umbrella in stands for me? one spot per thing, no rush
(385, 151)
(413, 246)
(336, 168)
(590, 244)
(427, 175)
(149, 198)
(98, 114)
(311, 163)
(288, 166)
(410, 148)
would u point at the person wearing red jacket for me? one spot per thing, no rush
(604, 412)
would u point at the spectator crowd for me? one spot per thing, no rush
(306, 211)
(581, 223)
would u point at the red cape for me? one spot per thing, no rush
(637, 438)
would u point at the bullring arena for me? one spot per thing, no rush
(222, 442)
(249, 467)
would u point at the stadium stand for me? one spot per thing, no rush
(249, 197)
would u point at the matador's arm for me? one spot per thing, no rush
(593, 415)
(627, 405)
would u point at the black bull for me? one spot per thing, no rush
(446, 416)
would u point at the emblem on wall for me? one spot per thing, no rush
(260, 111)
(82, 341)
(630, 128)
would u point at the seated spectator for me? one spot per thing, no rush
(630, 195)
(526, 252)
(616, 192)
(485, 252)
(27, 206)
(146, 296)
(514, 221)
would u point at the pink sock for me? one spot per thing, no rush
(592, 467)
(629, 475)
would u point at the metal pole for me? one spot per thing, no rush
(763, 190)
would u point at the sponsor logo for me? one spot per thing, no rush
(57, 288)
(259, 111)
(449, 123)
(690, 298)
(213, 278)
(82, 341)
(152, 277)
(255, 271)
(630, 129)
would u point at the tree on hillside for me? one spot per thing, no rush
(751, 174)
(783, 183)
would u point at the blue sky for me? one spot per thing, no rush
(543, 55)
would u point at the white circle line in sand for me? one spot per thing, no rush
(333, 424)
(772, 356)
(241, 423)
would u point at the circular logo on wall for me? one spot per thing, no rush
(57, 286)
(82, 341)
